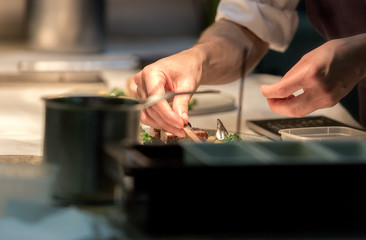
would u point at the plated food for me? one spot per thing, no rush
(157, 136)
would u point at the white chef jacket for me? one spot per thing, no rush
(274, 21)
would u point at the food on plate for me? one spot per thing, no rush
(155, 133)
(156, 136)
(232, 137)
(114, 92)
(128, 91)
(192, 102)
(146, 138)
(167, 137)
(229, 138)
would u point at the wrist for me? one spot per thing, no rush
(192, 62)
(219, 58)
(221, 49)
(204, 59)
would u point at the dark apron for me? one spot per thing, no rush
(338, 19)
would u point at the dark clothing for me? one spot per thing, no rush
(338, 19)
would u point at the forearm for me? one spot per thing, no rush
(349, 59)
(220, 50)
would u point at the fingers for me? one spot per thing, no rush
(163, 117)
(291, 83)
(281, 90)
(180, 106)
(288, 97)
(291, 106)
(307, 102)
(167, 119)
(153, 122)
(131, 88)
(160, 115)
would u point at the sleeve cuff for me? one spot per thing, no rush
(274, 22)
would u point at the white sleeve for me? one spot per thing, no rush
(274, 21)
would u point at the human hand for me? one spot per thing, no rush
(326, 74)
(176, 73)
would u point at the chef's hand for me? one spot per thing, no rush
(326, 74)
(216, 58)
(177, 73)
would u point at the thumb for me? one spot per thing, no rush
(180, 106)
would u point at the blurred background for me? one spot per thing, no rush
(174, 24)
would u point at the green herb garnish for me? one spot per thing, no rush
(147, 139)
(191, 103)
(116, 92)
(232, 137)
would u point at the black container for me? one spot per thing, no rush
(77, 128)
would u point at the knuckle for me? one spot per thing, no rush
(317, 73)
(137, 78)
(142, 75)
(147, 71)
